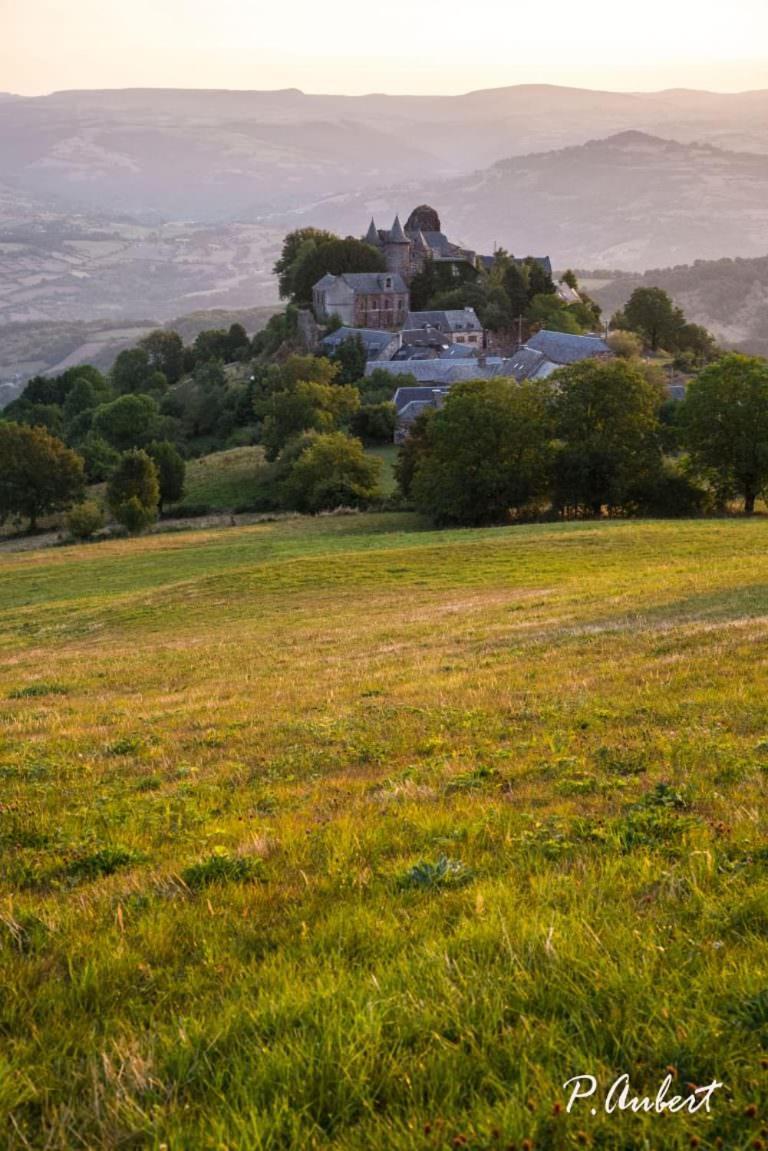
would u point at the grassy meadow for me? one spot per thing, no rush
(344, 834)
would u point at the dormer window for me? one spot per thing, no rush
(388, 283)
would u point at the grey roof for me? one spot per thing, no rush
(372, 235)
(563, 348)
(374, 340)
(406, 396)
(366, 281)
(525, 363)
(451, 320)
(440, 371)
(458, 352)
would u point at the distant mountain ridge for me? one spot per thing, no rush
(170, 154)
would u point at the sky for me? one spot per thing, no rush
(350, 46)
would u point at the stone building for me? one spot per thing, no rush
(407, 249)
(363, 299)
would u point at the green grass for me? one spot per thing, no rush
(388, 454)
(225, 480)
(346, 835)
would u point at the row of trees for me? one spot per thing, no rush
(39, 475)
(597, 435)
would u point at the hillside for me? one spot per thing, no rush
(59, 266)
(630, 201)
(338, 833)
(31, 348)
(730, 297)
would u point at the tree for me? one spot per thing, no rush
(129, 421)
(551, 313)
(296, 245)
(540, 283)
(725, 425)
(133, 491)
(165, 351)
(131, 370)
(38, 473)
(171, 471)
(238, 344)
(99, 456)
(486, 452)
(516, 287)
(413, 451)
(351, 358)
(333, 256)
(306, 406)
(332, 471)
(374, 423)
(652, 314)
(607, 424)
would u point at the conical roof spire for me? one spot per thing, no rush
(397, 235)
(372, 235)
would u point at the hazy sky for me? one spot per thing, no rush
(402, 46)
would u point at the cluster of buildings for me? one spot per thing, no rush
(437, 348)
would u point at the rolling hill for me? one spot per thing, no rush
(730, 297)
(630, 201)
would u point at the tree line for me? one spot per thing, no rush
(599, 436)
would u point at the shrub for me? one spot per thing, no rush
(85, 519)
(105, 861)
(445, 873)
(221, 867)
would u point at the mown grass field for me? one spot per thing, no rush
(341, 834)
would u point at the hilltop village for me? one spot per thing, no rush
(438, 347)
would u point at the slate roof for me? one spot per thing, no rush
(424, 396)
(562, 348)
(452, 320)
(525, 363)
(369, 282)
(439, 372)
(374, 340)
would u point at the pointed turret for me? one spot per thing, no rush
(420, 243)
(397, 235)
(372, 235)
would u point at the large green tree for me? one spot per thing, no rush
(129, 421)
(607, 424)
(38, 473)
(725, 425)
(485, 453)
(165, 352)
(296, 246)
(334, 256)
(332, 471)
(306, 406)
(652, 314)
